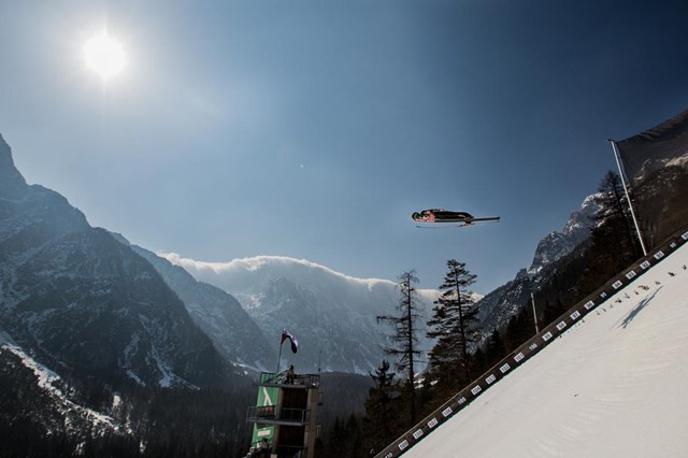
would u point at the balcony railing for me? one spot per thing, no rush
(275, 415)
(284, 380)
(282, 451)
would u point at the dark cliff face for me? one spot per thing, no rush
(12, 184)
(218, 314)
(86, 304)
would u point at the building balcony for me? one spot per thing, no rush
(283, 451)
(272, 415)
(284, 380)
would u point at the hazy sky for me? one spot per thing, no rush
(313, 129)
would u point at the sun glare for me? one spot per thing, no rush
(104, 55)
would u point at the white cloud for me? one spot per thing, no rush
(255, 263)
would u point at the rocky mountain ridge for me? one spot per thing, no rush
(500, 305)
(218, 314)
(85, 304)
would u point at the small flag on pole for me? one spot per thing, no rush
(292, 339)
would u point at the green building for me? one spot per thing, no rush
(284, 416)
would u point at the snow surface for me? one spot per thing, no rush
(614, 385)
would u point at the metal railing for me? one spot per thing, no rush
(284, 379)
(273, 414)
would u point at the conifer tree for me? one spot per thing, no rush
(354, 446)
(452, 322)
(478, 361)
(613, 219)
(496, 349)
(404, 340)
(516, 330)
(380, 409)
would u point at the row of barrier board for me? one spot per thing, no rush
(531, 348)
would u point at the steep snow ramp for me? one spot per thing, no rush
(613, 384)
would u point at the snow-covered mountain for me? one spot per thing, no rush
(85, 304)
(332, 314)
(500, 305)
(218, 314)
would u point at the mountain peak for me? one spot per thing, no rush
(12, 183)
(560, 243)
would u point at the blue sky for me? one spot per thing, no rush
(313, 129)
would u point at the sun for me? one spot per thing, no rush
(104, 55)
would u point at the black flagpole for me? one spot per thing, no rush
(279, 357)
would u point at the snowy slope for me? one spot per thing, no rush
(613, 385)
(45, 398)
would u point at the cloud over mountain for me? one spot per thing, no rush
(333, 314)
